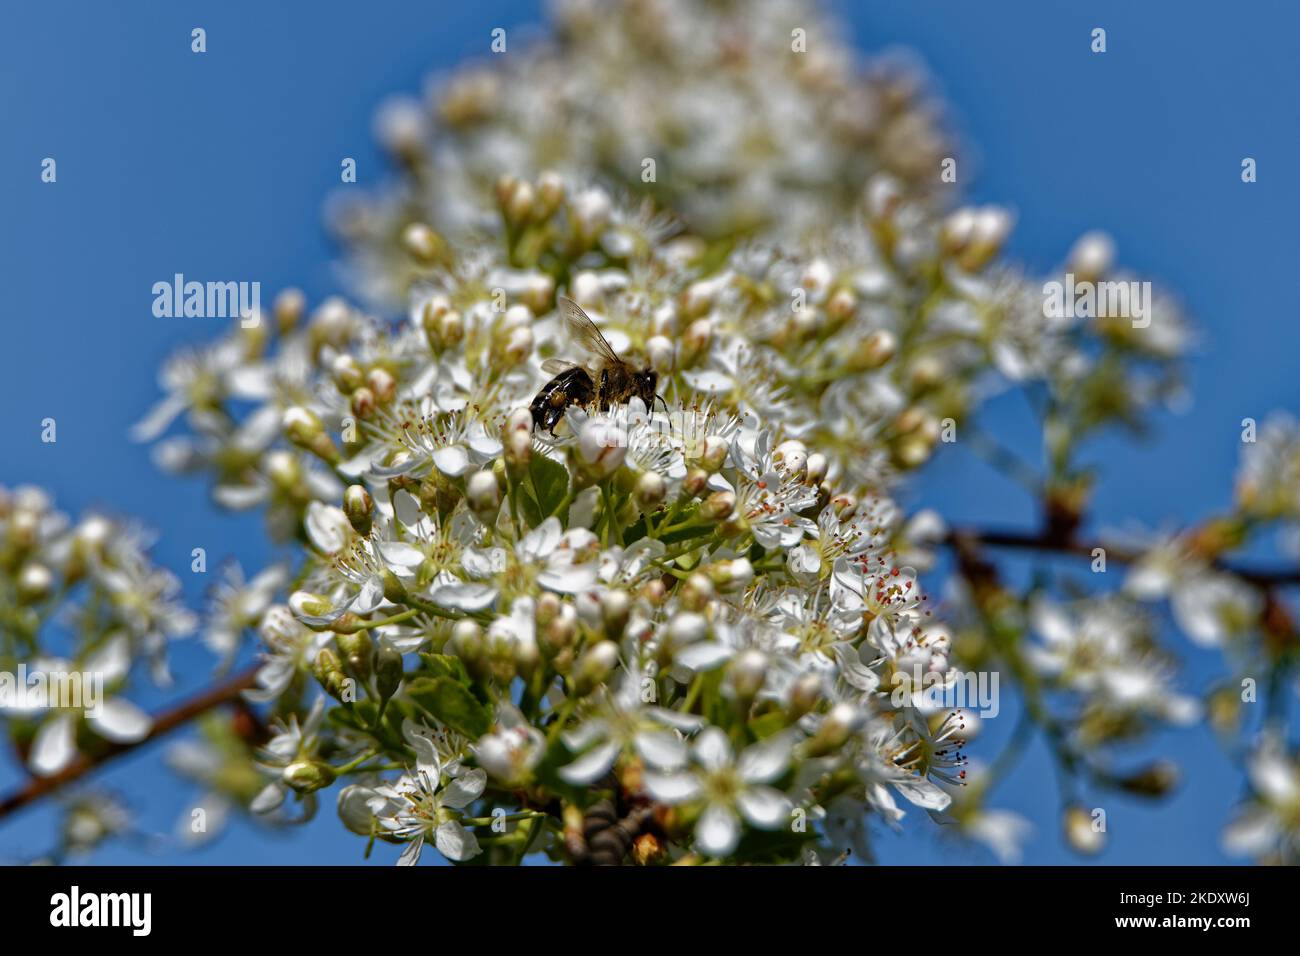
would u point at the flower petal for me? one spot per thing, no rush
(712, 749)
(672, 787)
(662, 749)
(465, 789)
(718, 830)
(766, 760)
(590, 766)
(764, 807)
(55, 745)
(455, 842)
(120, 721)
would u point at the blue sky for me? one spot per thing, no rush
(218, 166)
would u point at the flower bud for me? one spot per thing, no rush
(550, 194)
(359, 507)
(654, 592)
(35, 583)
(841, 307)
(718, 505)
(1091, 257)
(835, 729)
(329, 673)
(913, 451)
(687, 628)
(805, 694)
(698, 298)
(305, 430)
(1082, 832)
(558, 635)
(659, 350)
(615, 608)
(873, 351)
(956, 232)
(484, 495)
(697, 591)
(423, 244)
(382, 385)
(289, 307)
(538, 293)
(714, 454)
(357, 648)
(793, 455)
(695, 341)
(363, 403)
(354, 810)
(696, 481)
(884, 197)
(746, 674)
(388, 670)
(817, 276)
(307, 604)
(926, 372)
(331, 323)
(519, 345)
(547, 608)
(650, 491)
(499, 657)
(590, 210)
(593, 667)
(815, 473)
(519, 205)
(346, 373)
(467, 642)
(988, 232)
(517, 441)
(731, 575)
(308, 776)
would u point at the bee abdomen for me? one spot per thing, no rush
(607, 842)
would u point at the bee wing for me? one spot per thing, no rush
(585, 332)
(554, 366)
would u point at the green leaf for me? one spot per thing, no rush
(445, 665)
(550, 481)
(768, 724)
(451, 702)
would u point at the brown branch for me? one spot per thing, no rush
(1026, 541)
(225, 692)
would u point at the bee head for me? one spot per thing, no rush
(646, 383)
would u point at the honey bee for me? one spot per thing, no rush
(610, 382)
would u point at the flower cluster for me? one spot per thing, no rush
(611, 610)
(739, 117)
(691, 627)
(80, 603)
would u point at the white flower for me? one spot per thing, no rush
(114, 718)
(624, 722)
(728, 788)
(512, 749)
(290, 741)
(238, 605)
(562, 561)
(1269, 826)
(420, 806)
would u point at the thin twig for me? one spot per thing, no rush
(167, 721)
(1028, 541)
